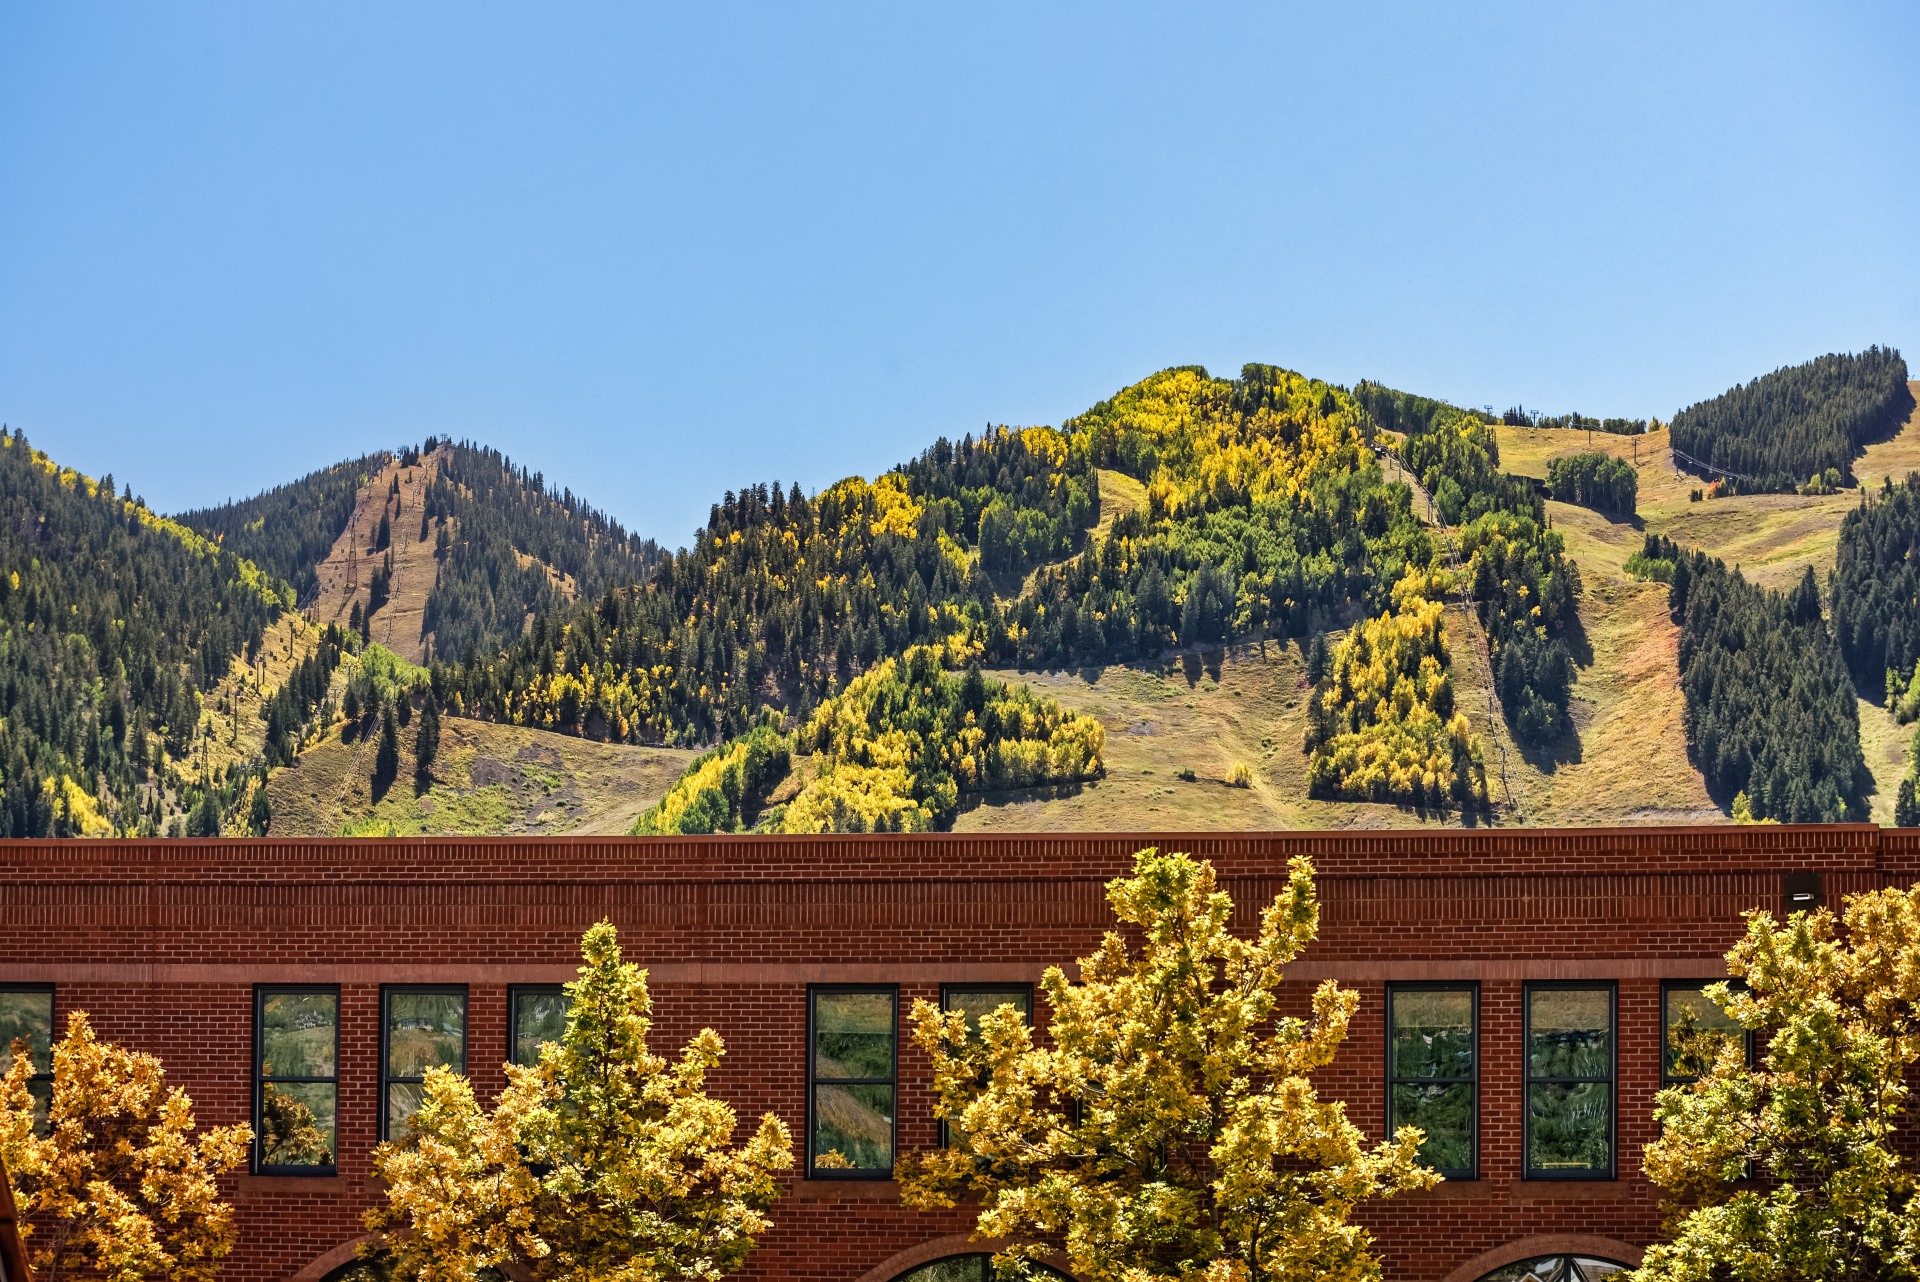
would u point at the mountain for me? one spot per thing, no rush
(1265, 601)
(448, 549)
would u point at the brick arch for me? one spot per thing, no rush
(939, 1249)
(1526, 1248)
(914, 1256)
(331, 1260)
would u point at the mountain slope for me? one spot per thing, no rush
(1264, 511)
(114, 622)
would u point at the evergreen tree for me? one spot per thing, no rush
(386, 758)
(1906, 806)
(203, 820)
(426, 745)
(1317, 658)
(260, 817)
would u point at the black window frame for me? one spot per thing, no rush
(53, 1035)
(1472, 989)
(514, 993)
(1690, 986)
(260, 1165)
(466, 1036)
(1611, 988)
(1010, 990)
(892, 992)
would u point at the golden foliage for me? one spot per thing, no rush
(1171, 1132)
(605, 1162)
(1384, 722)
(121, 1186)
(1799, 1163)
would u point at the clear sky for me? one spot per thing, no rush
(659, 252)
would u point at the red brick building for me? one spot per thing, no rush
(346, 964)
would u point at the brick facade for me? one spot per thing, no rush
(162, 942)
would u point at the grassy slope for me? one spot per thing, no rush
(1629, 763)
(1628, 703)
(488, 778)
(231, 710)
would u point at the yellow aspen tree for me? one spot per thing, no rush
(1800, 1164)
(120, 1185)
(1170, 1132)
(603, 1163)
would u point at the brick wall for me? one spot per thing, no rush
(161, 942)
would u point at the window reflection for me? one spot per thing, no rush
(851, 1064)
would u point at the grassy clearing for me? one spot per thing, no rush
(488, 779)
(1884, 743)
(1245, 707)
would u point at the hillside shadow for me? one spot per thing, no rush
(1195, 664)
(1564, 749)
(1001, 797)
(1579, 645)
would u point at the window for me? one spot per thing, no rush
(1433, 1071)
(851, 1043)
(1693, 1028)
(296, 1045)
(977, 1000)
(420, 1028)
(536, 1015)
(1570, 1062)
(1557, 1268)
(26, 1014)
(969, 1268)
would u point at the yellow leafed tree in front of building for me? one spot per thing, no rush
(1170, 1132)
(605, 1163)
(118, 1183)
(1797, 1162)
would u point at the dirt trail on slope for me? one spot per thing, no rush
(349, 567)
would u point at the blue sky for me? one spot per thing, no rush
(659, 252)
